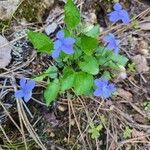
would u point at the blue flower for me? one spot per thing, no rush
(119, 14)
(112, 43)
(64, 44)
(104, 88)
(25, 90)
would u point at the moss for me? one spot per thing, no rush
(30, 10)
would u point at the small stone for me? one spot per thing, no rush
(141, 63)
(72, 122)
(50, 28)
(7, 8)
(62, 108)
(5, 52)
(52, 134)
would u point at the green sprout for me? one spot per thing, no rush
(95, 130)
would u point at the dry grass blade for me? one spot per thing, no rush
(24, 119)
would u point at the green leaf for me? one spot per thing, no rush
(51, 72)
(127, 132)
(40, 41)
(102, 51)
(106, 75)
(89, 65)
(40, 77)
(51, 91)
(88, 44)
(95, 130)
(83, 83)
(92, 31)
(121, 60)
(72, 14)
(68, 79)
(112, 65)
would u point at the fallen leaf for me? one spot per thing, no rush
(141, 47)
(120, 74)
(125, 94)
(5, 52)
(136, 133)
(139, 118)
(145, 26)
(141, 63)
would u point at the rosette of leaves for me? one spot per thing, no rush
(77, 71)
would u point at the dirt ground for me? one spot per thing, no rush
(125, 118)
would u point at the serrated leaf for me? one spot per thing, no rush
(40, 41)
(51, 91)
(68, 79)
(83, 83)
(88, 44)
(89, 65)
(121, 60)
(72, 14)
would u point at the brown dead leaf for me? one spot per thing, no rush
(136, 134)
(5, 52)
(145, 26)
(125, 94)
(139, 118)
(141, 63)
(142, 47)
(120, 74)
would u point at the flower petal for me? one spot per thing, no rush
(57, 44)
(101, 82)
(112, 87)
(69, 41)
(67, 49)
(19, 94)
(109, 38)
(22, 82)
(60, 35)
(55, 53)
(111, 46)
(117, 6)
(124, 16)
(98, 92)
(106, 93)
(30, 85)
(27, 96)
(113, 16)
(116, 50)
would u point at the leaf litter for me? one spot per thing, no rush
(118, 112)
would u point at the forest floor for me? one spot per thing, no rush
(124, 119)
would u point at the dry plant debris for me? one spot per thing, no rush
(66, 123)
